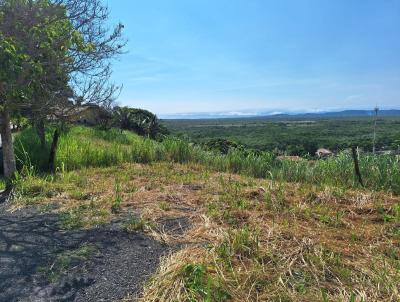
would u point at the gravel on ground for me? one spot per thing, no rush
(30, 241)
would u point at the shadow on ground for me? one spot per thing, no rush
(30, 241)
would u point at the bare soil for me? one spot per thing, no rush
(31, 241)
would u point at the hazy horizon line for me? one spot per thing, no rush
(264, 112)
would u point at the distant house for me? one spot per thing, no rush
(90, 115)
(322, 153)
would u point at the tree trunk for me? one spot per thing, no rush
(41, 132)
(9, 165)
(53, 150)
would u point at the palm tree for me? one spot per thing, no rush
(141, 121)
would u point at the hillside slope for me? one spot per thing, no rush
(237, 227)
(240, 238)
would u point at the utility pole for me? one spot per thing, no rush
(376, 110)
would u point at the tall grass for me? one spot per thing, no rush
(88, 147)
(28, 151)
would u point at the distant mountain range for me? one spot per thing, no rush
(347, 113)
(275, 114)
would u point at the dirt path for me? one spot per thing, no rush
(33, 249)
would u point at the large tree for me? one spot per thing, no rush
(54, 54)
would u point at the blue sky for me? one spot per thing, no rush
(238, 55)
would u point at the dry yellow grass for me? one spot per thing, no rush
(249, 239)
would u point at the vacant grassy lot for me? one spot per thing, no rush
(247, 240)
(249, 227)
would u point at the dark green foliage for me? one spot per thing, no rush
(140, 121)
(222, 145)
(293, 136)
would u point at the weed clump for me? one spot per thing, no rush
(200, 285)
(116, 203)
(84, 215)
(65, 260)
(136, 224)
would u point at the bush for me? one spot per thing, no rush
(222, 145)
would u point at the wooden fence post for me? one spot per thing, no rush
(357, 166)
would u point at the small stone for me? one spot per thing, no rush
(15, 248)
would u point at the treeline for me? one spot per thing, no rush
(293, 137)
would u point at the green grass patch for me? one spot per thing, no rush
(202, 286)
(84, 147)
(135, 224)
(83, 216)
(66, 259)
